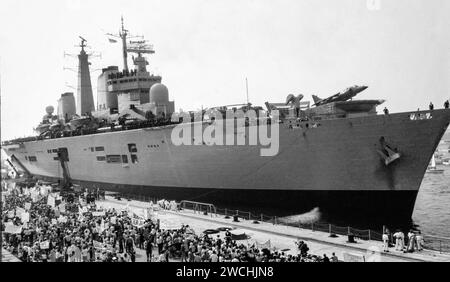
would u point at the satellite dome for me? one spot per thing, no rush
(49, 110)
(159, 94)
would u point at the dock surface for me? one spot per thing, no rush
(283, 237)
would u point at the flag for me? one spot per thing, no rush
(51, 201)
(112, 40)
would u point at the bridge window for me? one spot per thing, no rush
(124, 159)
(134, 159)
(113, 159)
(99, 149)
(101, 158)
(132, 148)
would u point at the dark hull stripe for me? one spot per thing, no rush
(365, 209)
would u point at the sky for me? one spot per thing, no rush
(206, 48)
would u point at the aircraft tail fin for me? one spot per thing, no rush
(316, 99)
(270, 107)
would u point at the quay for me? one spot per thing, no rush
(283, 237)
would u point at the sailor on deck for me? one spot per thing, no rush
(446, 104)
(411, 241)
(399, 239)
(419, 241)
(431, 106)
(385, 242)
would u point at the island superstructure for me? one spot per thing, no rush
(338, 155)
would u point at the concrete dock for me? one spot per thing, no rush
(282, 237)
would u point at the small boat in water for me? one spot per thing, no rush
(432, 168)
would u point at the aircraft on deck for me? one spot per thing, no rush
(345, 95)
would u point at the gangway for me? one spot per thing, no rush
(198, 207)
(63, 157)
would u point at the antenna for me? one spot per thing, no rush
(83, 43)
(71, 69)
(70, 86)
(246, 86)
(140, 47)
(69, 55)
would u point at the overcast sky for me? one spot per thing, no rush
(206, 48)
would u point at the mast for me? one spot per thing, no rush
(123, 35)
(85, 99)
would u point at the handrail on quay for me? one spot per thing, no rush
(199, 207)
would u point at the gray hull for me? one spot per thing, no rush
(339, 157)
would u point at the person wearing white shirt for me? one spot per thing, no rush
(402, 241)
(385, 238)
(419, 241)
(397, 241)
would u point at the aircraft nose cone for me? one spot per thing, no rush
(362, 88)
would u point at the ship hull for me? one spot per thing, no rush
(363, 208)
(334, 165)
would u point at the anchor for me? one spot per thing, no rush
(389, 155)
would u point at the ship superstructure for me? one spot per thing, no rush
(339, 155)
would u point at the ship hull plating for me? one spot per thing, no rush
(364, 209)
(335, 165)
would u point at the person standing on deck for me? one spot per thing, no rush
(385, 242)
(411, 241)
(402, 241)
(419, 241)
(446, 104)
(431, 106)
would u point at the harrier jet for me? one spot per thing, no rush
(345, 95)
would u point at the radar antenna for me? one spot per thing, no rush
(83, 43)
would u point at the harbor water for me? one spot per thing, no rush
(432, 212)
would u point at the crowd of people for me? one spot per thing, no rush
(83, 232)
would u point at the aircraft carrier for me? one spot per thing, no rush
(339, 154)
